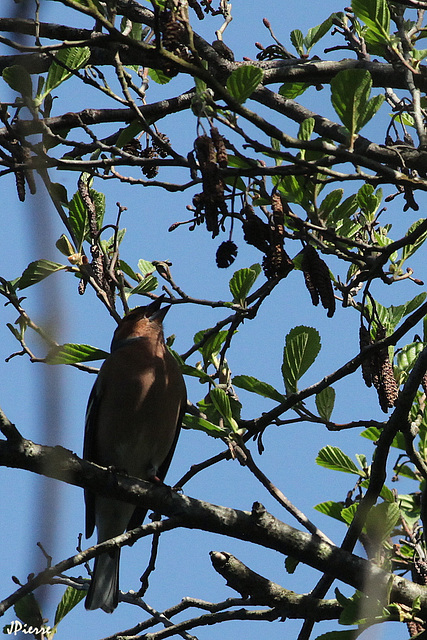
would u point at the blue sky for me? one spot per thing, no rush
(47, 404)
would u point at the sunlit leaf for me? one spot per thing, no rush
(325, 401)
(333, 458)
(73, 353)
(243, 81)
(69, 600)
(249, 383)
(302, 346)
(37, 271)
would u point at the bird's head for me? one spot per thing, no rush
(141, 322)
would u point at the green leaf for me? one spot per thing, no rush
(212, 345)
(350, 90)
(302, 346)
(64, 245)
(188, 370)
(410, 249)
(292, 90)
(331, 509)
(221, 402)
(69, 600)
(376, 15)
(159, 76)
(348, 513)
(333, 458)
(249, 383)
(27, 609)
(381, 521)
(242, 282)
(243, 81)
(316, 33)
(306, 129)
(407, 356)
(297, 40)
(18, 79)
(74, 58)
(201, 424)
(325, 401)
(129, 133)
(330, 203)
(37, 271)
(150, 283)
(146, 267)
(373, 433)
(291, 564)
(368, 200)
(72, 353)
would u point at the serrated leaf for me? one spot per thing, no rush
(407, 356)
(70, 353)
(221, 402)
(333, 458)
(212, 345)
(18, 79)
(243, 81)
(410, 249)
(249, 383)
(350, 90)
(74, 58)
(348, 513)
(292, 90)
(297, 40)
(316, 33)
(146, 267)
(331, 509)
(376, 15)
(150, 283)
(241, 283)
(27, 609)
(188, 370)
(325, 401)
(69, 600)
(381, 520)
(159, 76)
(201, 424)
(37, 271)
(302, 346)
(373, 433)
(306, 129)
(330, 203)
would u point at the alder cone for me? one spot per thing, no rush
(226, 254)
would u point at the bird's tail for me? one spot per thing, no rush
(104, 587)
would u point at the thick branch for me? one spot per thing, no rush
(258, 526)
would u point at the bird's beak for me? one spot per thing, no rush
(154, 312)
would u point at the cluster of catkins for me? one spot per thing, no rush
(377, 369)
(211, 154)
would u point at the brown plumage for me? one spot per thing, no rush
(132, 424)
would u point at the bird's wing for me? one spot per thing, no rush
(140, 512)
(89, 452)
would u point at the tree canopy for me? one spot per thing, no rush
(149, 152)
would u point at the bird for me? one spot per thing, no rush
(133, 420)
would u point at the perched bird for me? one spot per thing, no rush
(132, 424)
